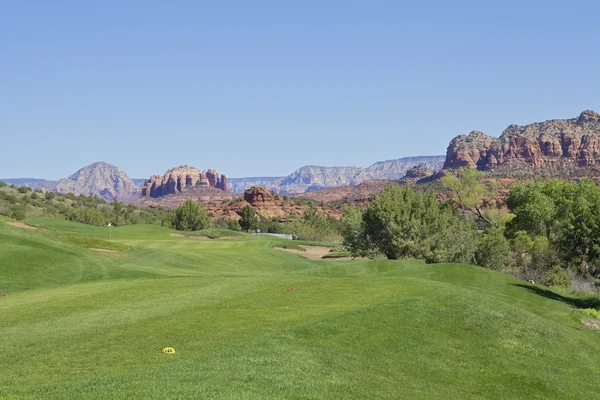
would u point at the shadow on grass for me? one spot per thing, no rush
(577, 302)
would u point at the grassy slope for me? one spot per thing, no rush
(79, 323)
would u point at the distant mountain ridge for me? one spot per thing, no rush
(111, 183)
(312, 177)
(99, 179)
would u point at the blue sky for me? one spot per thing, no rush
(260, 88)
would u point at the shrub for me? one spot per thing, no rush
(189, 217)
(50, 195)
(24, 189)
(592, 312)
(404, 222)
(233, 225)
(249, 220)
(2, 184)
(493, 250)
(558, 276)
(86, 215)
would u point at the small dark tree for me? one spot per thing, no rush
(189, 217)
(249, 218)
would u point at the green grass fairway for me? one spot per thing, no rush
(86, 324)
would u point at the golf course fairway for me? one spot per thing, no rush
(248, 321)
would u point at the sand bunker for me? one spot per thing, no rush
(103, 250)
(179, 235)
(312, 252)
(24, 226)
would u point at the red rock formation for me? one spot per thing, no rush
(222, 183)
(538, 145)
(263, 201)
(177, 179)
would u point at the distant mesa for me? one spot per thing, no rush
(176, 180)
(549, 145)
(310, 178)
(99, 179)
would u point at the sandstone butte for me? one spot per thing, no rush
(539, 145)
(263, 201)
(175, 180)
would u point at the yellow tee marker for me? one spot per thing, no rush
(168, 350)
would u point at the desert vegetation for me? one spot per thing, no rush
(546, 232)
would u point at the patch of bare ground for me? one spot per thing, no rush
(314, 253)
(591, 323)
(24, 226)
(104, 250)
(179, 235)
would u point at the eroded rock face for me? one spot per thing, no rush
(263, 201)
(99, 179)
(539, 145)
(177, 179)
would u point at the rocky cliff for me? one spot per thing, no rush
(99, 179)
(539, 145)
(310, 178)
(175, 180)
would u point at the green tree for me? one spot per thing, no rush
(118, 211)
(189, 217)
(403, 222)
(468, 190)
(493, 250)
(354, 235)
(249, 220)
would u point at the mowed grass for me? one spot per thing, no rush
(79, 323)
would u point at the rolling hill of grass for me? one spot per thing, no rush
(81, 323)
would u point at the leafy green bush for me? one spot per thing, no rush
(493, 250)
(189, 217)
(86, 215)
(592, 312)
(403, 222)
(558, 276)
(249, 220)
(233, 225)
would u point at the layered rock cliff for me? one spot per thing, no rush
(175, 180)
(99, 179)
(310, 178)
(539, 145)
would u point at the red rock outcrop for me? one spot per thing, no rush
(263, 201)
(538, 145)
(177, 179)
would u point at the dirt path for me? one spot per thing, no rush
(104, 250)
(25, 226)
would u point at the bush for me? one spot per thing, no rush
(404, 222)
(189, 217)
(233, 225)
(24, 189)
(557, 276)
(592, 312)
(2, 184)
(493, 251)
(249, 220)
(86, 215)
(50, 195)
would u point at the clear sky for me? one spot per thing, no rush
(260, 88)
